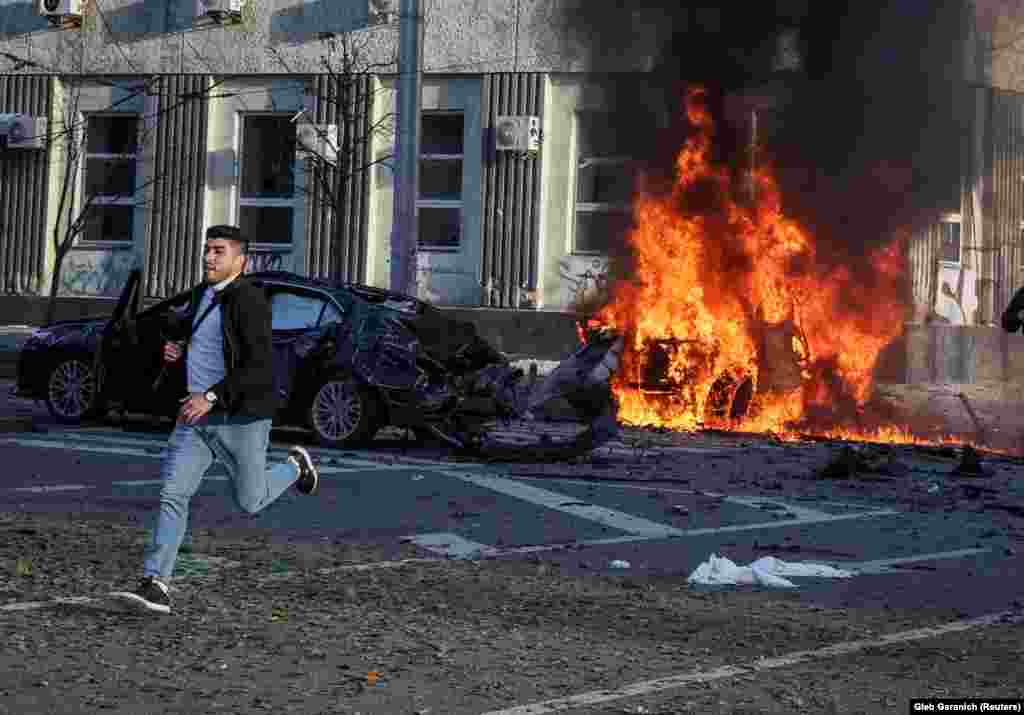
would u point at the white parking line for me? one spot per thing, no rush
(155, 451)
(284, 575)
(453, 546)
(569, 505)
(47, 488)
(880, 566)
(677, 682)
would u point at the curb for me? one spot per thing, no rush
(17, 424)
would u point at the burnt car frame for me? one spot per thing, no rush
(348, 360)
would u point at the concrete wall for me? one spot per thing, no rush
(566, 278)
(229, 103)
(140, 36)
(97, 268)
(444, 277)
(962, 354)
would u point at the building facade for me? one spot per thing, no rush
(182, 123)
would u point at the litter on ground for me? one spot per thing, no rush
(766, 571)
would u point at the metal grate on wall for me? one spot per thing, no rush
(174, 239)
(510, 195)
(925, 254)
(337, 219)
(23, 178)
(1006, 111)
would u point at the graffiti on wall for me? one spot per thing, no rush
(583, 280)
(268, 261)
(97, 272)
(443, 279)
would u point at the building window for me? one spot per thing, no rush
(440, 199)
(109, 180)
(949, 233)
(604, 184)
(267, 193)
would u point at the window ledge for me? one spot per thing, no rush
(120, 245)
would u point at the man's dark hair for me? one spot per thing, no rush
(231, 233)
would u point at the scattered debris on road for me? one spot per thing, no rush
(766, 571)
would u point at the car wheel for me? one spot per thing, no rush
(342, 412)
(72, 393)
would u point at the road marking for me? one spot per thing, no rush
(33, 605)
(568, 505)
(880, 566)
(346, 465)
(754, 501)
(327, 571)
(452, 546)
(344, 568)
(676, 682)
(47, 488)
(826, 519)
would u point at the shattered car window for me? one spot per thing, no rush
(331, 315)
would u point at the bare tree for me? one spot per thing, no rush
(334, 167)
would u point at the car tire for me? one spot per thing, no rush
(72, 391)
(342, 412)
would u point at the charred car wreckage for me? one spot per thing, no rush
(349, 360)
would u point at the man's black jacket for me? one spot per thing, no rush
(1012, 323)
(247, 390)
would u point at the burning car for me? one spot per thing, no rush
(349, 360)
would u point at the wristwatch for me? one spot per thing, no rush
(211, 397)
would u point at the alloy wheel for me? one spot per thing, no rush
(71, 391)
(338, 411)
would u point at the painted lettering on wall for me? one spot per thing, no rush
(583, 280)
(99, 272)
(268, 261)
(444, 279)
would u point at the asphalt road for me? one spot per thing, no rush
(617, 507)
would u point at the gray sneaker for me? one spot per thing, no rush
(309, 478)
(150, 597)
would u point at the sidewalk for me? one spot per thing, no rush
(264, 625)
(12, 337)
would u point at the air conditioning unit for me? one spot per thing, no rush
(20, 131)
(520, 134)
(319, 140)
(60, 12)
(219, 10)
(382, 12)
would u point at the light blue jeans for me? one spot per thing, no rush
(240, 444)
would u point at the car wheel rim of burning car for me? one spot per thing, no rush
(337, 410)
(72, 389)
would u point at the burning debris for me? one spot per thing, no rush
(971, 465)
(733, 309)
(862, 463)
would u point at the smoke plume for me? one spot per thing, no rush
(868, 138)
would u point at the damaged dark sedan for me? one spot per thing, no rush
(349, 360)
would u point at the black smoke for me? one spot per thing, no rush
(869, 136)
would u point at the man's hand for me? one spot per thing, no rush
(173, 351)
(195, 407)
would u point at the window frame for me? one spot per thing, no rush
(84, 118)
(590, 207)
(956, 219)
(296, 202)
(422, 203)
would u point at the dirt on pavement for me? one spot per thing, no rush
(290, 627)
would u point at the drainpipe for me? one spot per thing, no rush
(405, 220)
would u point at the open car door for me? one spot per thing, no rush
(115, 335)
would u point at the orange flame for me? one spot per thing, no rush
(744, 309)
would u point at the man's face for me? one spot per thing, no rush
(222, 259)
